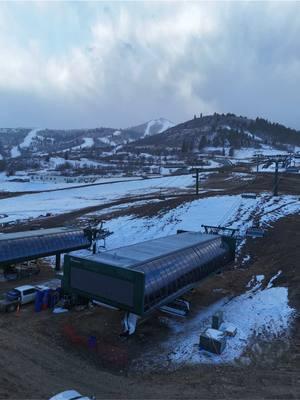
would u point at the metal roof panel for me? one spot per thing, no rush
(132, 255)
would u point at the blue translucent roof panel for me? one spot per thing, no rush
(130, 256)
(22, 246)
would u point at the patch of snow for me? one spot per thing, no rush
(29, 138)
(228, 329)
(166, 124)
(214, 334)
(265, 313)
(87, 143)
(252, 136)
(270, 284)
(15, 152)
(108, 141)
(149, 126)
(246, 259)
(255, 282)
(163, 124)
(249, 152)
(60, 310)
(230, 211)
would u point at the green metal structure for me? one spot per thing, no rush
(142, 277)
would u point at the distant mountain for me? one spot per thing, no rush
(218, 131)
(153, 127)
(15, 143)
(213, 133)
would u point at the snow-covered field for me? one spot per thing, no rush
(231, 211)
(251, 152)
(34, 205)
(8, 185)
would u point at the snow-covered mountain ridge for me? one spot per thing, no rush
(19, 141)
(153, 127)
(219, 131)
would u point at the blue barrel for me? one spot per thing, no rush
(59, 292)
(45, 302)
(38, 301)
(92, 342)
(50, 298)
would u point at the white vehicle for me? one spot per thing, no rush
(19, 295)
(70, 395)
(24, 294)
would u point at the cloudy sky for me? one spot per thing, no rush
(87, 64)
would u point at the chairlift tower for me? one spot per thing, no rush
(197, 171)
(277, 159)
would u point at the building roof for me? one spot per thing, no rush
(139, 253)
(143, 276)
(35, 233)
(29, 245)
(24, 287)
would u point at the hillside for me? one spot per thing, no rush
(219, 131)
(25, 141)
(139, 150)
(153, 127)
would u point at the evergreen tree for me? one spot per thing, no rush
(203, 142)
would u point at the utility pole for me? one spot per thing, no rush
(197, 170)
(275, 193)
(57, 262)
(257, 157)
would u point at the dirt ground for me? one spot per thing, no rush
(42, 353)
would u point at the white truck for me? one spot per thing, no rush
(17, 296)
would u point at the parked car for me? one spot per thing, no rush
(25, 294)
(20, 295)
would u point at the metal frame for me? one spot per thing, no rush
(135, 277)
(11, 244)
(156, 280)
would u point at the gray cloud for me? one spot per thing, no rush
(134, 62)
